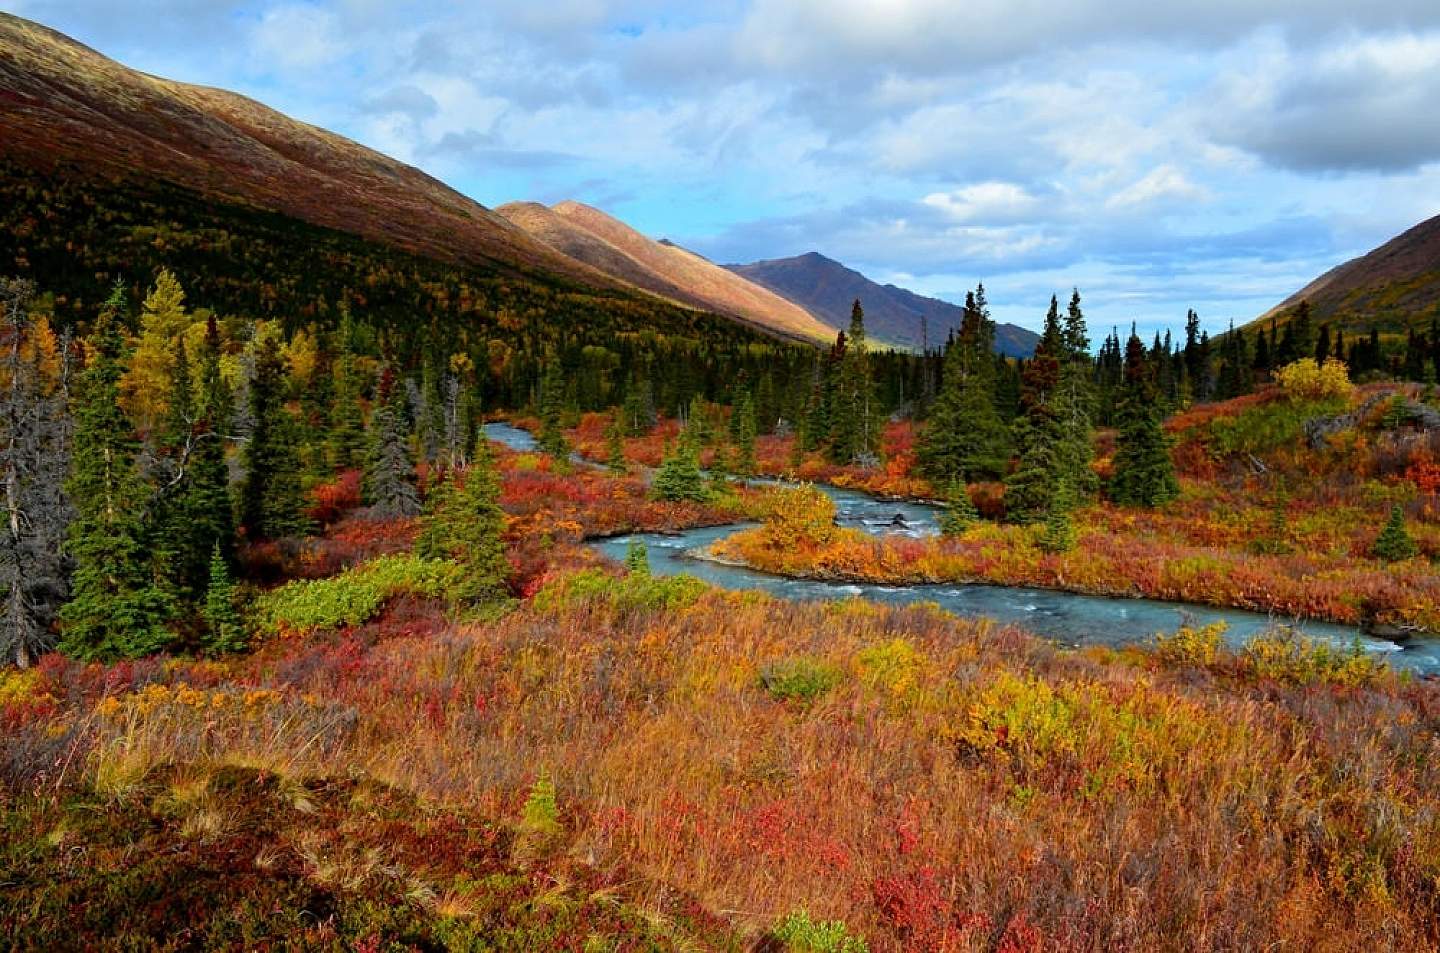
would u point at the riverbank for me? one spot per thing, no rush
(1299, 585)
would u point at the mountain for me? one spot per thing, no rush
(108, 173)
(827, 289)
(62, 102)
(661, 267)
(1392, 287)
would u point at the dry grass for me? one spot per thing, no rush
(959, 784)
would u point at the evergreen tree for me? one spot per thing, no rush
(1415, 354)
(346, 443)
(1038, 431)
(679, 476)
(390, 470)
(185, 559)
(34, 458)
(639, 408)
(1395, 544)
(117, 608)
(965, 437)
(1322, 345)
(552, 398)
(272, 498)
(1074, 404)
(615, 443)
(855, 424)
(960, 513)
(463, 521)
(743, 420)
(224, 632)
(1144, 474)
(1059, 534)
(430, 409)
(637, 558)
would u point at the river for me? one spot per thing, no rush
(1067, 618)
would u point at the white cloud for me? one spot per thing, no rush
(298, 37)
(989, 202)
(1162, 184)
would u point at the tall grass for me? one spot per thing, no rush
(946, 785)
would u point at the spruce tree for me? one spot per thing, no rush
(346, 440)
(855, 424)
(224, 631)
(1074, 405)
(1038, 430)
(209, 502)
(1395, 544)
(1059, 534)
(615, 443)
(965, 437)
(552, 398)
(637, 558)
(389, 469)
(960, 513)
(679, 477)
(272, 499)
(117, 608)
(1144, 474)
(743, 430)
(463, 522)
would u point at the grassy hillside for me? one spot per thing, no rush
(1393, 288)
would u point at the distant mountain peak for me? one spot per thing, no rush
(893, 315)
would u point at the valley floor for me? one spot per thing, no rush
(616, 761)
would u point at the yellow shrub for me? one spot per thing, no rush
(1306, 380)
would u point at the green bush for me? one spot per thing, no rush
(798, 679)
(1190, 645)
(800, 934)
(1395, 544)
(1286, 656)
(630, 593)
(1267, 427)
(356, 595)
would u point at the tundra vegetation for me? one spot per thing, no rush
(318, 666)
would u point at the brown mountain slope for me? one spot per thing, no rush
(699, 280)
(62, 102)
(1396, 285)
(570, 239)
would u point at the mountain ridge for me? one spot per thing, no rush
(1393, 286)
(662, 267)
(828, 288)
(65, 102)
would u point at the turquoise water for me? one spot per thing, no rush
(1064, 617)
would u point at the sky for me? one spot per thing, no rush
(1157, 154)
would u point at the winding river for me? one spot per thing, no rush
(1067, 618)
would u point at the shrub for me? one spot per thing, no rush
(1395, 544)
(798, 679)
(800, 934)
(1286, 656)
(541, 816)
(1190, 645)
(1304, 380)
(356, 595)
(631, 593)
(800, 514)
